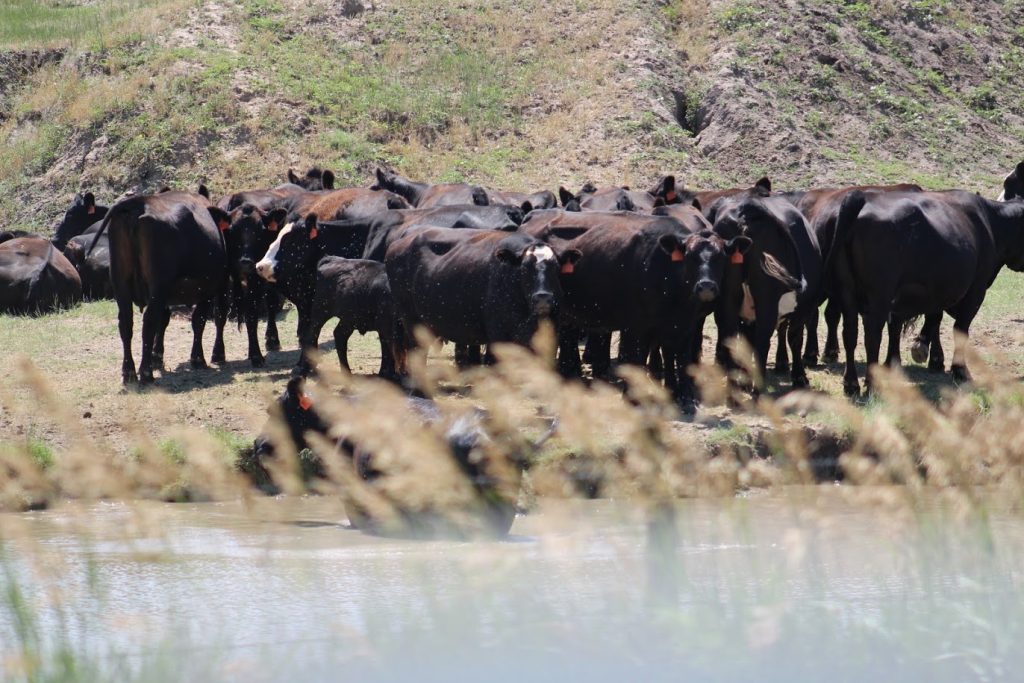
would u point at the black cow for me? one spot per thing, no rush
(821, 207)
(475, 287)
(778, 278)
(493, 481)
(648, 275)
(92, 266)
(355, 291)
(384, 228)
(909, 254)
(424, 195)
(35, 277)
(250, 234)
(166, 249)
(83, 213)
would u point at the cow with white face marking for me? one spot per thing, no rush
(475, 286)
(1013, 184)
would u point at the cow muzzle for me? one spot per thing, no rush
(706, 291)
(265, 269)
(542, 303)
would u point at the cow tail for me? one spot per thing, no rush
(850, 209)
(99, 233)
(773, 268)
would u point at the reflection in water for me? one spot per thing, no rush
(797, 584)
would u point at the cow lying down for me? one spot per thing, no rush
(443, 476)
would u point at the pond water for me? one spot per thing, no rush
(793, 584)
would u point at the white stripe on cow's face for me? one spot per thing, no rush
(268, 263)
(544, 255)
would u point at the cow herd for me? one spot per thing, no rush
(477, 266)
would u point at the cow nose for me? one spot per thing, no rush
(543, 302)
(265, 270)
(706, 291)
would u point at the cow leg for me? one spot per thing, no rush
(152, 321)
(961, 329)
(199, 315)
(252, 325)
(811, 350)
(781, 357)
(569, 364)
(599, 349)
(930, 332)
(342, 333)
(655, 362)
(873, 324)
(158, 343)
(274, 305)
(851, 323)
(387, 359)
(125, 322)
(310, 326)
(833, 311)
(896, 324)
(795, 337)
(220, 307)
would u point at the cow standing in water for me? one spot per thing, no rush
(166, 249)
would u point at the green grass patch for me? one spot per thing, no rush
(49, 23)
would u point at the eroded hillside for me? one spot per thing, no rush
(515, 93)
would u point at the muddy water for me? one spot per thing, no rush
(797, 584)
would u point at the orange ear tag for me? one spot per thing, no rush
(223, 225)
(272, 227)
(312, 234)
(92, 209)
(736, 258)
(670, 196)
(568, 267)
(305, 402)
(677, 255)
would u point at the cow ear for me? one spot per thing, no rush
(565, 196)
(672, 245)
(509, 256)
(397, 202)
(294, 388)
(165, 188)
(382, 177)
(764, 186)
(220, 217)
(574, 205)
(568, 260)
(327, 179)
(696, 204)
(204, 191)
(292, 178)
(311, 226)
(738, 245)
(275, 219)
(89, 202)
(659, 202)
(480, 197)
(526, 206)
(588, 188)
(625, 203)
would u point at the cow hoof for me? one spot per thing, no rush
(936, 367)
(145, 378)
(218, 358)
(199, 363)
(257, 361)
(781, 368)
(129, 379)
(919, 352)
(273, 345)
(830, 357)
(811, 361)
(960, 374)
(851, 390)
(800, 383)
